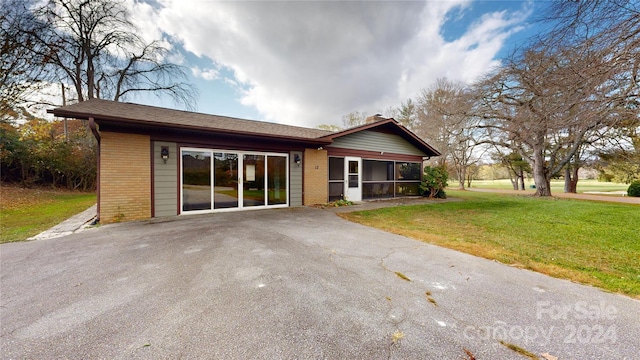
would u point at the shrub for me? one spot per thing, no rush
(433, 182)
(339, 203)
(634, 189)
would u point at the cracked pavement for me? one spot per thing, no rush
(290, 283)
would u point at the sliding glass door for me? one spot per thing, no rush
(196, 180)
(277, 192)
(253, 184)
(222, 180)
(225, 194)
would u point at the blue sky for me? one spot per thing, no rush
(310, 62)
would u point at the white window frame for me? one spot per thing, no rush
(241, 206)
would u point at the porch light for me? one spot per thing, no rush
(164, 153)
(296, 159)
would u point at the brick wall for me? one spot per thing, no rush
(316, 176)
(125, 177)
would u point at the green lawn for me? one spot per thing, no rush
(556, 185)
(33, 211)
(589, 242)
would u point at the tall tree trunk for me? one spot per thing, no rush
(521, 178)
(461, 177)
(514, 181)
(540, 174)
(543, 185)
(571, 179)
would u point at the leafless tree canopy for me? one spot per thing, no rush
(20, 73)
(562, 92)
(92, 46)
(446, 120)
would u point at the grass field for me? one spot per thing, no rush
(27, 212)
(588, 242)
(556, 185)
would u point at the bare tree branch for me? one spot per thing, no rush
(92, 46)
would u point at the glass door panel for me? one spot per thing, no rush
(336, 178)
(196, 180)
(253, 193)
(353, 173)
(226, 180)
(353, 190)
(277, 180)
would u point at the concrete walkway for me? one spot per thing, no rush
(74, 224)
(590, 197)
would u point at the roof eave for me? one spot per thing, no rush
(117, 120)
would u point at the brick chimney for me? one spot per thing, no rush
(374, 118)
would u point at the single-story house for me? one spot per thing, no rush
(155, 162)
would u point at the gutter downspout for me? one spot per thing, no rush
(96, 134)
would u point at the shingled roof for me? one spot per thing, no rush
(128, 113)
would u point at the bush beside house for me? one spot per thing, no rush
(634, 189)
(433, 182)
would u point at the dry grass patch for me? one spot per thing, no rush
(588, 242)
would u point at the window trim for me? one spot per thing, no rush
(393, 183)
(240, 206)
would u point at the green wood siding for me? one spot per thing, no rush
(376, 141)
(295, 180)
(165, 180)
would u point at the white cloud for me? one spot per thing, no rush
(207, 74)
(308, 63)
(144, 16)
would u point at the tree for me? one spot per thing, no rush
(620, 164)
(573, 166)
(36, 153)
(20, 71)
(93, 47)
(601, 20)
(613, 25)
(472, 173)
(353, 119)
(13, 153)
(446, 120)
(329, 127)
(575, 83)
(516, 167)
(619, 152)
(90, 47)
(549, 101)
(406, 114)
(350, 120)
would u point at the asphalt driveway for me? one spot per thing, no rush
(290, 283)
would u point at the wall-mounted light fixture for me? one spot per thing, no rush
(164, 153)
(296, 159)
